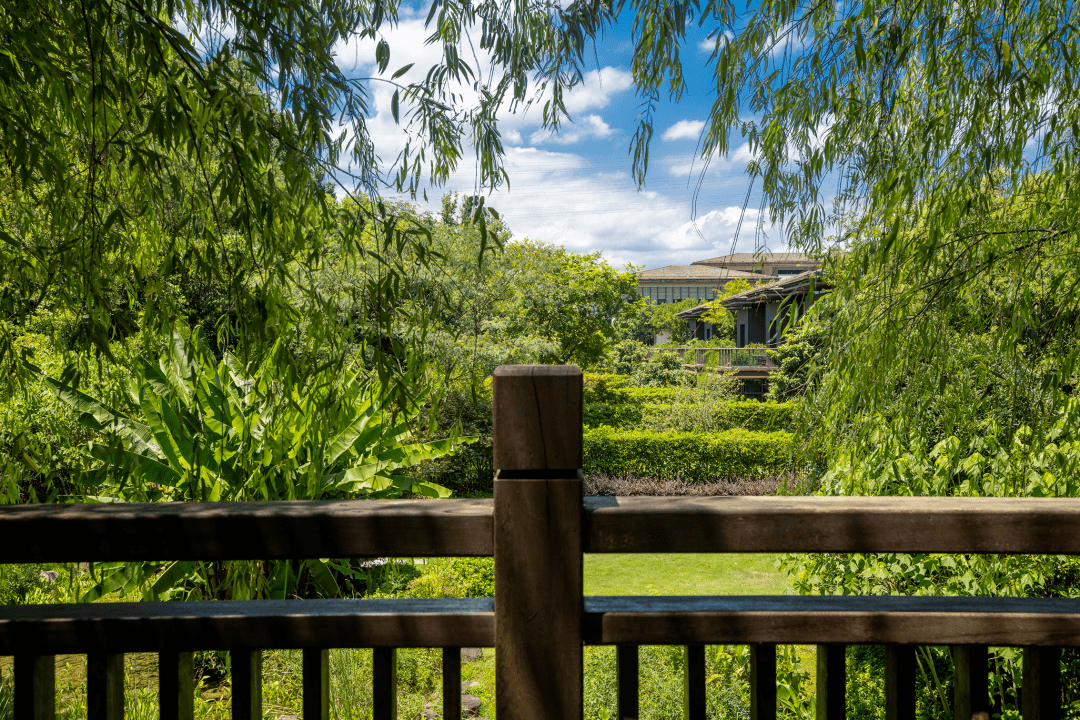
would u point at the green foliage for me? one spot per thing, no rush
(454, 577)
(693, 457)
(722, 319)
(663, 369)
(660, 689)
(664, 319)
(200, 430)
(796, 359)
(627, 356)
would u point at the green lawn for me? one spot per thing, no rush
(689, 574)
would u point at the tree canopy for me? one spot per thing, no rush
(144, 137)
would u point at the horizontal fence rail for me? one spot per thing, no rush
(246, 530)
(248, 624)
(832, 524)
(465, 527)
(851, 620)
(538, 528)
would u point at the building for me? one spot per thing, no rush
(770, 264)
(675, 283)
(763, 312)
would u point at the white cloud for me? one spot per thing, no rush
(590, 126)
(685, 130)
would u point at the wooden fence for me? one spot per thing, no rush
(537, 528)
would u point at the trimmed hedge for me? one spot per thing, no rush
(692, 457)
(746, 414)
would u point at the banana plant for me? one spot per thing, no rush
(203, 430)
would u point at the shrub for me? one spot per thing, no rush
(664, 369)
(693, 457)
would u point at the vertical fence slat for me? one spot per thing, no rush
(899, 682)
(35, 687)
(626, 673)
(971, 695)
(384, 684)
(246, 684)
(176, 686)
(1041, 691)
(316, 679)
(536, 433)
(451, 683)
(694, 706)
(763, 682)
(831, 682)
(105, 686)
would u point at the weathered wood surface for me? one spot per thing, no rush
(537, 417)
(536, 433)
(104, 686)
(171, 626)
(246, 530)
(809, 620)
(539, 578)
(1041, 691)
(971, 695)
(832, 524)
(35, 687)
(176, 686)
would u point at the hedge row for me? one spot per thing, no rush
(746, 414)
(692, 457)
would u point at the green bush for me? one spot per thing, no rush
(694, 457)
(722, 415)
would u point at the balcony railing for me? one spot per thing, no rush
(722, 357)
(538, 528)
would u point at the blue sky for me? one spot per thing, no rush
(575, 189)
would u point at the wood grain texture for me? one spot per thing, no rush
(832, 524)
(627, 677)
(694, 703)
(279, 624)
(537, 417)
(245, 530)
(105, 686)
(831, 682)
(176, 686)
(763, 681)
(35, 687)
(538, 599)
(1041, 692)
(810, 620)
(899, 682)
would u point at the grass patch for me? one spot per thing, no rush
(683, 574)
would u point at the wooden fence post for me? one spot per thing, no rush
(538, 561)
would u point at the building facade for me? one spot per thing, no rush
(675, 283)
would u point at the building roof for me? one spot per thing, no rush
(749, 258)
(776, 290)
(692, 273)
(790, 285)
